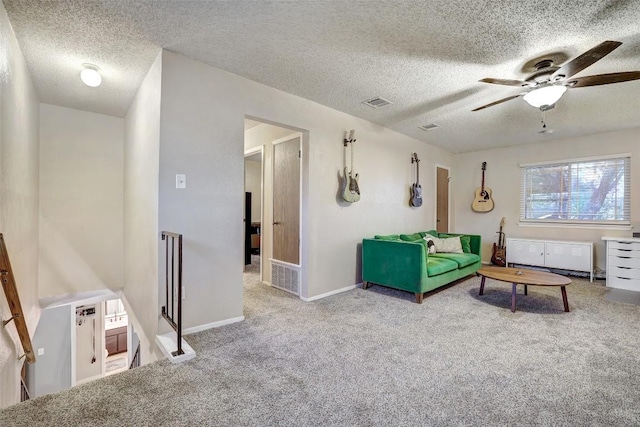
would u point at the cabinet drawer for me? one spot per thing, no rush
(622, 261)
(622, 283)
(630, 246)
(627, 253)
(627, 273)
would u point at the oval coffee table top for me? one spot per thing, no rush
(524, 276)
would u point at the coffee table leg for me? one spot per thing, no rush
(513, 297)
(525, 290)
(564, 298)
(482, 285)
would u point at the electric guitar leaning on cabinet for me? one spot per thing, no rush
(482, 202)
(499, 254)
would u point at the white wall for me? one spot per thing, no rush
(52, 372)
(85, 370)
(81, 202)
(141, 233)
(253, 185)
(202, 136)
(18, 199)
(503, 177)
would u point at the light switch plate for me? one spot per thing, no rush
(41, 351)
(181, 181)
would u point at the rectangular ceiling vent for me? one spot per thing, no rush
(377, 102)
(430, 126)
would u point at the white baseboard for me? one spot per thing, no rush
(328, 294)
(212, 325)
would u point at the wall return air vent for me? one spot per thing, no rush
(376, 102)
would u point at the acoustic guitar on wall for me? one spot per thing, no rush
(482, 201)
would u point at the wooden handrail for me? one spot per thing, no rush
(11, 292)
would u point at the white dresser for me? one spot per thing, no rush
(623, 262)
(563, 255)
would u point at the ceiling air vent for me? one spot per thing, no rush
(430, 126)
(376, 102)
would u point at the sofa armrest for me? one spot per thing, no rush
(394, 263)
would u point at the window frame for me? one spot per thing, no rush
(577, 223)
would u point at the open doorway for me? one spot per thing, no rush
(116, 339)
(253, 207)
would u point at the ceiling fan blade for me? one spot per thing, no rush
(603, 79)
(583, 61)
(509, 98)
(505, 82)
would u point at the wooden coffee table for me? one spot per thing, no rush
(524, 277)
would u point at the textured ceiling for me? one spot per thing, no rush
(426, 57)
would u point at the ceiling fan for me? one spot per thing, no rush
(548, 82)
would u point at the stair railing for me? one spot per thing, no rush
(13, 299)
(172, 309)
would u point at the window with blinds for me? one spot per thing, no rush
(593, 191)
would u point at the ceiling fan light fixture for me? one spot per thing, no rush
(90, 75)
(547, 95)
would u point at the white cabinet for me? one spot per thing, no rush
(623, 262)
(564, 255)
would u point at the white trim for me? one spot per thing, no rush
(251, 152)
(167, 344)
(212, 325)
(578, 160)
(328, 294)
(435, 205)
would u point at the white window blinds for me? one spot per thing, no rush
(582, 191)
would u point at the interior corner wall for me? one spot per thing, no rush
(203, 110)
(18, 199)
(503, 177)
(141, 232)
(81, 201)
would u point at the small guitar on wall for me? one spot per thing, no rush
(416, 189)
(351, 190)
(482, 202)
(499, 255)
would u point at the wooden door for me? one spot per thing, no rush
(286, 201)
(442, 200)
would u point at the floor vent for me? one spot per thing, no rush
(376, 102)
(285, 276)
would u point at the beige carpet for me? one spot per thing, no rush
(375, 358)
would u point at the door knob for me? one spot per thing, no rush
(276, 223)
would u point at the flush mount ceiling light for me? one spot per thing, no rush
(545, 96)
(90, 75)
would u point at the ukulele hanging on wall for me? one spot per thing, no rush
(416, 189)
(482, 202)
(351, 190)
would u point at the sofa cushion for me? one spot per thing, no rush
(431, 232)
(461, 260)
(465, 241)
(388, 237)
(411, 237)
(436, 266)
(449, 244)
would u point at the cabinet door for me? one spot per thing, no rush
(568, 256)
(111, 344)
(529, 252)
(122, 342)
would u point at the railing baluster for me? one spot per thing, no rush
(169, 312)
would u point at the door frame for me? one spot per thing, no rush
(273, 163)
(248, 153)
(435, 187)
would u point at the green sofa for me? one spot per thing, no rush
(407, 265)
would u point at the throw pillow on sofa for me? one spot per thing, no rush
(465, 241)
(446, 245)
(431, 246)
